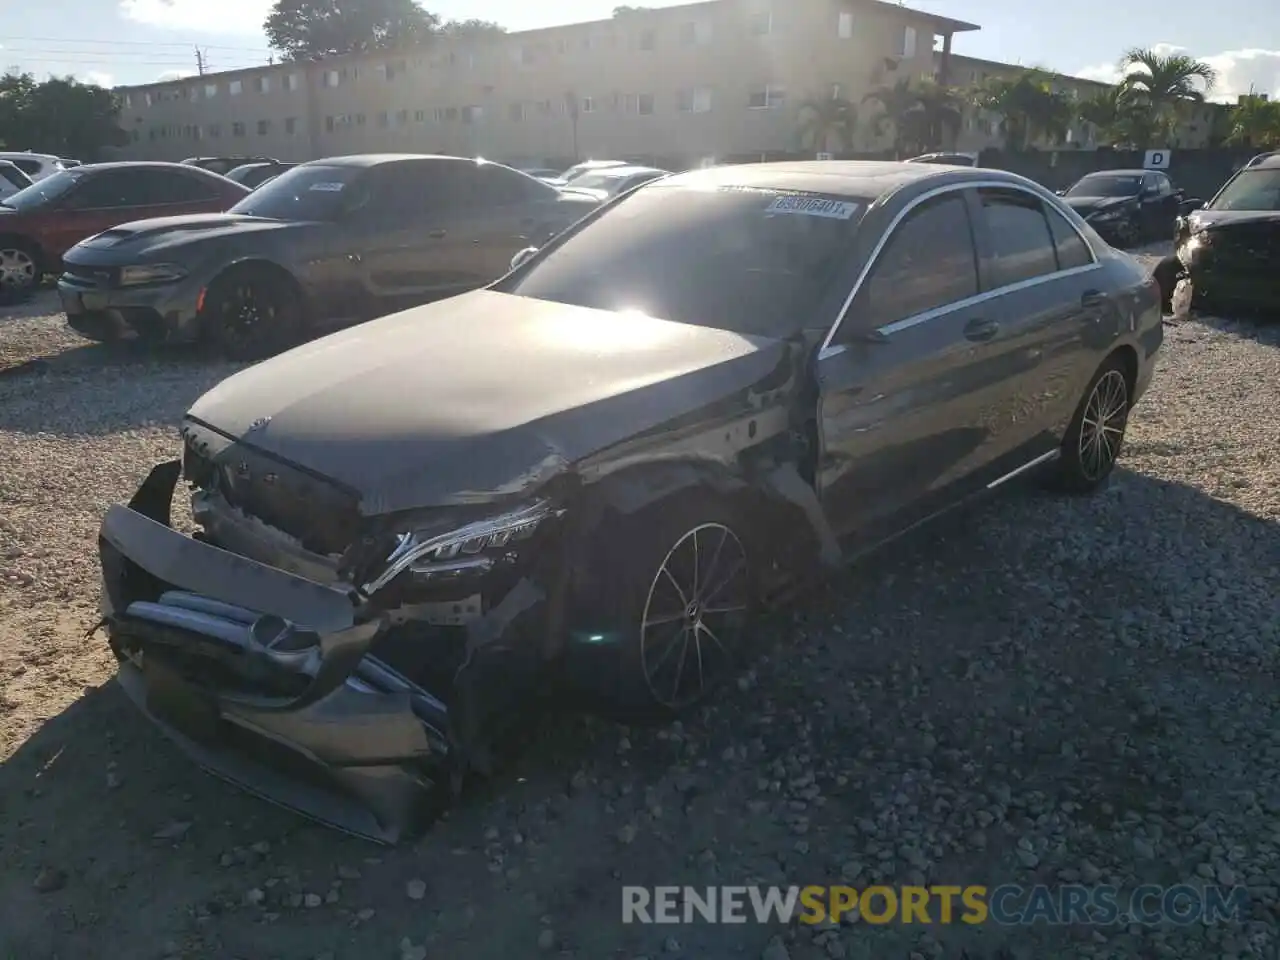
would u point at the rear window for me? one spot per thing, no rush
(753, 261)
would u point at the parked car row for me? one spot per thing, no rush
(587, 476)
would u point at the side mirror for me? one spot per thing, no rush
(1186, 206)
(521, 258)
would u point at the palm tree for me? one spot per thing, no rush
(940, 113)
(1255, 122)
(1166, 84)
(825, 121)
(1030, 108)
(1114, 115)
(897, 103)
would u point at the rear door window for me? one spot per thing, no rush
(1022, 245)
(29, 167)
(498, 186)
(1071, 248)
(928, 263)
(168, 186)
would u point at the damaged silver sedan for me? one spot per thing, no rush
(586, 478)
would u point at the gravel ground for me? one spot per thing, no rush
(1040, 690)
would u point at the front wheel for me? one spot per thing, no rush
(19, 268)
(674, 590)
(1096, 434)
(251, 313)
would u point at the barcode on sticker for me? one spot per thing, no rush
(814, 207)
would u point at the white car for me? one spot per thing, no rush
(590, 166)
(37, 166)
(12, 179)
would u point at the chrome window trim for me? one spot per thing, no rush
(826, 350)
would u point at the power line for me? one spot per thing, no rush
(129, 43)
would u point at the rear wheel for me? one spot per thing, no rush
(252, 313)
(677, 585)
(1096, 434)
(19, 266)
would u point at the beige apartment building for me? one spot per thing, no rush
(719, 79)
(980, 129)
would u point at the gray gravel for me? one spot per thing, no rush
(1041, 690)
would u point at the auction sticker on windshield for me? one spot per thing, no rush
(813, 207)
(327, 187)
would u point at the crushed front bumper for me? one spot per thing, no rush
(265, 678)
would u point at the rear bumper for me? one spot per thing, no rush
(265, 678)
(156, 313)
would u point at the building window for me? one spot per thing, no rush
(761, 23)
(648, 40)
(527, 55)
(237, 128)
(769, 97)
(215, 130)
(264, 127)
(291, 82)
(472, 113)
(210, 91)
(562, 46)
(835, 91)
(360, 119)
(419, 116)
(544, 108)
(587, 105)
(235, 88)
(695, 101)
(328, 124)
(262, 84)
(382, 120)
(516, 111)
(128, 102)
(908, 48)
(844, 25)
(644, 104)
(147, 98)
(331, 78)
(695, 33)
(290, 125)
(402, 117)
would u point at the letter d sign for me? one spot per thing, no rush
(1157, 160)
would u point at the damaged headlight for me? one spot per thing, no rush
(150, 273)
(426, 553)
(1195, 247)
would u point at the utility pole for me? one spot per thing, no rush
(200, 55)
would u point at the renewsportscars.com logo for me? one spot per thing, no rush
(1009, 904)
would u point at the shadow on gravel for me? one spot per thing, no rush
(1262, 329)
(1026, 654)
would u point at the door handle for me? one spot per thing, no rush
(981, 329)
(436, 234)
(1093, 298)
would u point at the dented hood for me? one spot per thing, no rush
(477, 397)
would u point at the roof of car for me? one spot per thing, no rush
(1268, 160)
(1127, 172)
(628, 171)
(146, 164)
(851, 178)
(374, 159)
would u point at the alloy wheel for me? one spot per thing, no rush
(17, 268)
(1102, 426)
(245, 313)
(694, 614)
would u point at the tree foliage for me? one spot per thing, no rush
(472, 29)
(59, 116)
(303, 29)
(827, 124)
(1029, 107)
(1255, 123)
(922, 115)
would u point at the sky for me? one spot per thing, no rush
(114, 42)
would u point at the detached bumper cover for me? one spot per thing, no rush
(265, 678)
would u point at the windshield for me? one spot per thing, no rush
(303, 193)
(751, 261)
(597, 181)
(43, 191)
(1126, 185)
(240, 173)
(1251, 189)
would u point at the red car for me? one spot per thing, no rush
(41, 223)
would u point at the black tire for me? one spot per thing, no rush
(251, 312)
(21, 266)
(1166, 274)
(1095, 436)
(641, 598)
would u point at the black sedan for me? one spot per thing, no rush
(325, 244)
(1228, 251)
(1127, 207)
(594, 471)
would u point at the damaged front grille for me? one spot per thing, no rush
(323, 517)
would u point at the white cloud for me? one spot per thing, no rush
(202, 16)
(1239, 71)
(97, 77)
(175, 75)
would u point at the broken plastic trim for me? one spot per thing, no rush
(412, 548)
